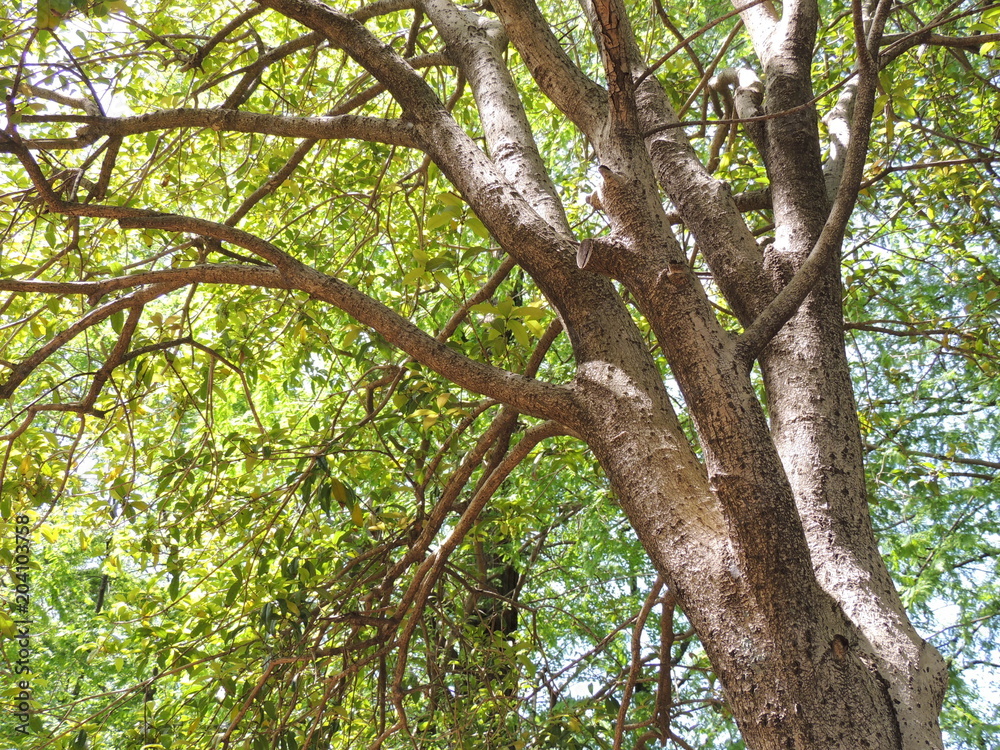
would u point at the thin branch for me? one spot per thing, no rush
(86, 105)
(484, 293)
(410, 90)
(636, 661)
(116, 357)
(211, 273)
(883, 173)
(955, 459)
(922, 37)
(744, 120)
(685, 42)
(431, 569)
(204, 50)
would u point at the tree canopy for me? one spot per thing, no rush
(313, 326)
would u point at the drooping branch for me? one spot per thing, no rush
(428, 573)
(528, 395)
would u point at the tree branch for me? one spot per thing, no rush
(394, 132)
(211, 273)
(897, 44)
(780, 310)
(529, 396)
(614, 40)
(583, 101)
(477, 43)
(704, 204)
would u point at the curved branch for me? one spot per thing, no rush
(529, 396)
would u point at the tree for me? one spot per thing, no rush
(310, 511)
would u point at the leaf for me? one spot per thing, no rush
(485, 308)
(339, 490)
(450, 199)
(445, 216)
(521, 334)
(529, 313)
(477, 227)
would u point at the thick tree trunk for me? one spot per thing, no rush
(796, 671)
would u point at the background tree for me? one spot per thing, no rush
(314, 341)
